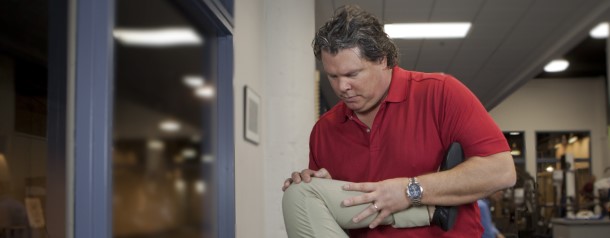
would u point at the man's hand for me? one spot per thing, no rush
(386, 197)
(305, 176)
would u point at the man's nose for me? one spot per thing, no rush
(344, 84)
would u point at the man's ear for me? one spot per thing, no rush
(384, 61)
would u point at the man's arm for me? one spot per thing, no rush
(475, 178)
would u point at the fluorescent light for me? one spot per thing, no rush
(169, 126)
(193, 81)
(557, 65)
(514, 133)
(515, 152)
(428, 30)
(157, 37)
(205, 92)
(600, 31)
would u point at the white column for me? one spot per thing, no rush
(288, 100)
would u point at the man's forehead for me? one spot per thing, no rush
(355, 50)
(343, 69)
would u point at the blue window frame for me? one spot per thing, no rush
(93, 100)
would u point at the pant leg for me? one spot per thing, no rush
(314, 210)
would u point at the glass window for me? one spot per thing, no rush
(24, 121)
(164, 106)
(558, 153)
(552, 148)
(23, 140)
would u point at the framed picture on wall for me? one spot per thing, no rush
(252, 111)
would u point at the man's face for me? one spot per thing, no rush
(360, 83)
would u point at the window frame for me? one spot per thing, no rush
(91, 102)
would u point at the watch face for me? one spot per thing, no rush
(414, 190)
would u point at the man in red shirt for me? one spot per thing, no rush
(388, 138)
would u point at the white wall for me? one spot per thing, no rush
(558, 105)
(289, 89)
(273, 56)
(249, 162)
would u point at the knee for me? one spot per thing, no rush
(297, 192)
(292, 199)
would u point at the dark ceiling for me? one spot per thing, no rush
(587, 60)
(150, 78)
(23, 37)
(142, 74)
(23, 29)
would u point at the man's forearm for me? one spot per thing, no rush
(475, 178)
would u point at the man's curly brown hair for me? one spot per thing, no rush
(353, 27)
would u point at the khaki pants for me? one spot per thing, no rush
(314, 210)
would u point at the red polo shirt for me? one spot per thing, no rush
(421, 116)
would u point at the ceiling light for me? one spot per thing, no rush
(550, 169)
(515, 152)
(514, 133)
(200, 186)
(169, 126)
(156, 144)
(180, 185)
(600, 31)
(207, 159)
(205, 92)
(557, 65)
(572, 139)
(427, 30)
(158, 37)
(193, 81)
(189, 153)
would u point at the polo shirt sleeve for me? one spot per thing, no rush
(463, 119)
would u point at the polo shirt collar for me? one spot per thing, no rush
(397, 92)
(349, 114)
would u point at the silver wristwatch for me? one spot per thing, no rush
(415, 192)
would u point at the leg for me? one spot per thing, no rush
(314, 210)
(444, 216)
